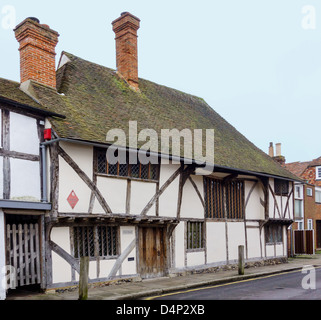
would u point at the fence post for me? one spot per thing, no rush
(83, 278)
(241, 260)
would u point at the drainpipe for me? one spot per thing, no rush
(44, 173)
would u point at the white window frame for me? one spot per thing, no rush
(309, 192)
(318, 173)
(317, 191)
(310, 224)
(298, 191)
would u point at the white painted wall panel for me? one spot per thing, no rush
(216, 243)
(25, 180)
(254, 209)
(23, 134)
(141, 194)
(236, 238)
(253, 243)
(168, 200)
(127, 235)
(191, 204)
(61, 270)
(179, 246)
(70, 181)
(195, 259)
(114, 191)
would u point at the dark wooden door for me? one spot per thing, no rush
(152, 252)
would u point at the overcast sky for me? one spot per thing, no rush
(257, 63)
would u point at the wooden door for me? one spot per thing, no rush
(152, 252)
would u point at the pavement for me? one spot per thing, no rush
(154, 287)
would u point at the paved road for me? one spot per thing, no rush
(286, 286)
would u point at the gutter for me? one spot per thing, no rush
(31, 109)
(168, 157)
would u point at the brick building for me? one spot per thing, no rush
(308, 197)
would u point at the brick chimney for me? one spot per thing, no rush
(125, 28)
(278, 153)
(37, 52)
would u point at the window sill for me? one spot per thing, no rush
(125, 178)
(195, 250)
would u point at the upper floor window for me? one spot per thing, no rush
(318, 195)
(318, 173)
(281, 187)
(140, 171)
(221, 197)
(309, 192)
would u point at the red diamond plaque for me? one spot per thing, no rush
(72, 199)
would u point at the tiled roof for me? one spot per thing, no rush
(95, 99)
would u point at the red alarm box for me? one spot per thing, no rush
(47, 134)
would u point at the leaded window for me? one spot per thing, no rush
(138, 170)
(195, 235)
(224, 199)
(95, 241)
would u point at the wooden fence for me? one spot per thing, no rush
(303, 241)
(23, 253)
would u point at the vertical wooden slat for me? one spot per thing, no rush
(27, 252)
(32, 254)
(14, 248)
(37, 252)
(21, 264)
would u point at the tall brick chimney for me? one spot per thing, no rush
(125, 28)
(37, 52)
(278, 153)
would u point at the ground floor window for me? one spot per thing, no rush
(273, 234)
(195, 235)
(95, 241)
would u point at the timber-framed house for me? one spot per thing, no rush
(132, 220)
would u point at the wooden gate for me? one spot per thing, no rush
(152, 252)
(303, 242)
(23, 253)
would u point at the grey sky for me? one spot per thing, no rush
(252, 61)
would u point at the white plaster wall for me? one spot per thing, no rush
(236, 238)
(2, 257)
(270, 250)
(216, 243)
(70, 181)
(105, 267)
(254, 209)
(25, 180)
(61, 270)
(114, 191)
(141, 194)
(23, 134)
(168, 200)
(253, 243)
(127, 235)
(191, 204)
(195, 258)
(179, 246)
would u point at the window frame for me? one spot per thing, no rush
(195, 244)
(317, 191)
(281, 187)
(221, 196)
(318, 173)
(152, 170)
(274, 234)
(94, 248)
(309, 195)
